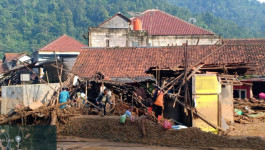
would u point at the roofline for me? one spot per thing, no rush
(19, 55)
(245, 39)
(52, 42)
(129, 20)
(169, 47)
(59, 52)
(148, 10)
(84, 48)
(57, 40)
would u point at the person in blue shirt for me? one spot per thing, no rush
(63, 97)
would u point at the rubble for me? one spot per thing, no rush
(144, 129)
(252, 109)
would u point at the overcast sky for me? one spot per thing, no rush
(261, 0)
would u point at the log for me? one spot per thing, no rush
(201, 117)
(54, 118)
(93, 105)
(31, 112)
(35, 105)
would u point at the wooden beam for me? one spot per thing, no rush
(201, 117)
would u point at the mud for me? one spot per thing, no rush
(253, 129)
(109, 128)
(74, 143)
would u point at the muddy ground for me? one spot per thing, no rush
(73, 143)
(253, 129)
(108, 127)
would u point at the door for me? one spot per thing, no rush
(206, 90)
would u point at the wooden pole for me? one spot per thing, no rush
(47, 77)
(201, 117)
(185, 74)
(60, 76)
(55, 58)
(86, 87)
(39, 77)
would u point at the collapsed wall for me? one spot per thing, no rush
(108, 127)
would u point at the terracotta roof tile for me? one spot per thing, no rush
(251, 41)
(12, 56)
(64, 44)
(157, 22)
(135, 61)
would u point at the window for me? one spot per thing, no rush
(149, 44)
(240, 93)
(135, 44)
(107, 43)
(243, 94)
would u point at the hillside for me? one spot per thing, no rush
(27, 25)
(246, 13)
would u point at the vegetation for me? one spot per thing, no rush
(249, 14)
(27, 25)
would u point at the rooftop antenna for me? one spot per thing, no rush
(192, 20)
(134, 14)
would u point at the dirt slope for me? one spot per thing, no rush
(110, 128)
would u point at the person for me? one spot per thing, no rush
(102, 88)
(158, 104)
(81, 99)
(129, 111)
(63, 97)
(103, 99)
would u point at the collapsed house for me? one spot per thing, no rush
(13, 60)
(253, 84)
(222, 64)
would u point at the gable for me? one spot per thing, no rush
(63, 44)
(117, 21)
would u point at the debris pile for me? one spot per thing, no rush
(123, 97)
(249, 110)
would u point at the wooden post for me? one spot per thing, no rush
(55, 58)
(60, 76)
(53, 117)
(201, 117)
(86, 87)
(185, 74)
(47, 77)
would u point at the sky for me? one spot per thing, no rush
(262, 1)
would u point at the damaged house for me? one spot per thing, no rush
(254, 84)
(128, 65)
(61, 52)
(150, 28)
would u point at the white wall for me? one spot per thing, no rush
(179, 40)
(25, 95)
(24, 58)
